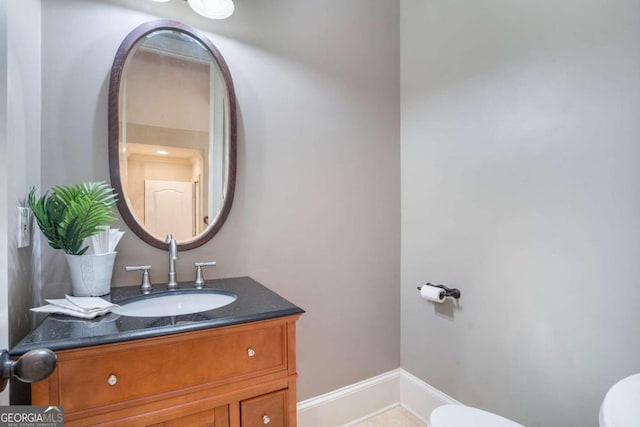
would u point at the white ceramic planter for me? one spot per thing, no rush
(91, 274)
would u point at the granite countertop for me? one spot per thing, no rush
(254, 302)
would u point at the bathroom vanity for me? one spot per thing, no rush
(232, 366)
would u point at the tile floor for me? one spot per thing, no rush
(396, 417)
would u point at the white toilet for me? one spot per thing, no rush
(620, 408)
(621, 405)
(465, 416)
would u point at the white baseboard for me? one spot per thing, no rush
(352, 403)
(420, 398)
(355, 403)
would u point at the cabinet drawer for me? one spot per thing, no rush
(121, 373)
(268, 410)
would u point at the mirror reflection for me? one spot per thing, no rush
(173, 136)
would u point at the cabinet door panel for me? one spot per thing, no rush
(267, 410)
(217, 417)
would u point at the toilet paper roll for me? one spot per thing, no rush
(432, 293)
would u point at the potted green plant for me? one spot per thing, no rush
(69, 214)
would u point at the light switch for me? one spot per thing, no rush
(24, 231)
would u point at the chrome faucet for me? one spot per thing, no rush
(173, 257)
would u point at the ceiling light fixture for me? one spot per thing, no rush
(214, 9)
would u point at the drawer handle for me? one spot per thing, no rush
(251, 352)
(112, 380)
(266, 419)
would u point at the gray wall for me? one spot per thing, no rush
(520, 186)
(23, 134)
(4, 184)
(21, 165)
(316, 213)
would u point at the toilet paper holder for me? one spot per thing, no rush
(448, 292)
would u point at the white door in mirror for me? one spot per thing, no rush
(168, 208)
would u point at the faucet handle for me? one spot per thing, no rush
(145, 286)
(199, 280)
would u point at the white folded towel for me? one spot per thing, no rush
(83, 307)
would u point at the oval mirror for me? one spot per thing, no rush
(172, 134)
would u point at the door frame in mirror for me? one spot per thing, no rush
(123, 52)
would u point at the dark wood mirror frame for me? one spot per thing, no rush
(114, 163)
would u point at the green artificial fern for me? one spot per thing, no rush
(70, 214)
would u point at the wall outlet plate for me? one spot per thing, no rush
(24, 230)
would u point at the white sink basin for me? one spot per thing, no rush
(175, 303)
(620, 407)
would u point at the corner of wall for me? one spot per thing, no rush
(4, 178)
(24, 96)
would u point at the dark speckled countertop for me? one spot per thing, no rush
(254, 302)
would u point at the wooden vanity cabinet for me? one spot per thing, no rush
(235, 376)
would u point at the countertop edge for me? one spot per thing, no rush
(152, 333)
